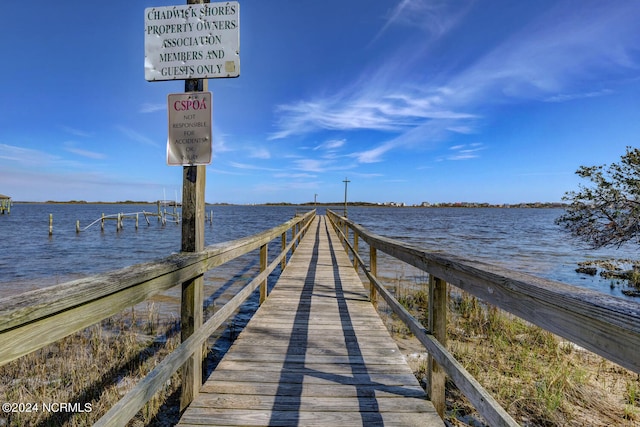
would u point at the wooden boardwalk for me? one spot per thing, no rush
(316, 353)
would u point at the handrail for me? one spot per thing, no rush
(606, 325)
(34, 319)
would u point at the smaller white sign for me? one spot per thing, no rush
(189, 140)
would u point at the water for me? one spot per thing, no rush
(31, 259)
(527, 240)
(522, 239)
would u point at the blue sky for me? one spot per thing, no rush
(412, 100)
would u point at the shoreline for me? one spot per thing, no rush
(337, 205)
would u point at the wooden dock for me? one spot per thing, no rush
(315, 353)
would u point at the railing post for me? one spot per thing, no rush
(346, 237)
(373, 266)
(283, 264)
(293, 235)
(263, 267)
(355, 250)
(438, 327)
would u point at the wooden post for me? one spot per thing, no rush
(263, 267)
(283, 264)
(346, 238)
(373, 261)
(192, 290)
(77, 226)
(193, 212)
(102, 223)
(355, 250)
(438, 327)
(50, 224)
(293, 235)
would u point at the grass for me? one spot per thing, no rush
(537, 377)
(93, 368)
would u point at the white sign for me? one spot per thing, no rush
(189, 141)
(197, 41)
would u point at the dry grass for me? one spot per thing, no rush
(538, 378)
(93, 368)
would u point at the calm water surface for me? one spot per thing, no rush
(523, 239)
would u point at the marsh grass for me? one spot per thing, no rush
(93, 367)
(537, 377)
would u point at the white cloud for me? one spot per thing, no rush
(137, 136)
(37, 159)
(554, 57)
(368, 109)
(330, 145)
(295, 175)
(76, 132)
(148, 107)
(70, 147)
(434, 17)
(260, 153)
(564, 97)
(465, 151)
(247, 166)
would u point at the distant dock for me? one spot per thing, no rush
(5, 204)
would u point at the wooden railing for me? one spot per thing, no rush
(34, 319)
(604, 324)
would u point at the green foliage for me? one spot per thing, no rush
(607, 211)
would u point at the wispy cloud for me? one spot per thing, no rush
(331, 145)
(72, 148)
(76, 132)
(435, 18)
(369, 109)
(555, 57)
(247, 166)
(320, 165)
(259, 153)
(295, 175)
(558, 53)
(465, 151)
(36, 159)
(148, 107)
(137, 136)
(564, 97)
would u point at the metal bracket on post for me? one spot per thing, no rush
(192, 173)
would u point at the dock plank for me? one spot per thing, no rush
(316, 354)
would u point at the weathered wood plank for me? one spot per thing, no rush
(312, 419)
(311, 389)
(293, 402)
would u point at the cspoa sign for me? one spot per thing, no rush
(197, 41)
(189, 140)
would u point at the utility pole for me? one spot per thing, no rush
(346, 182)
